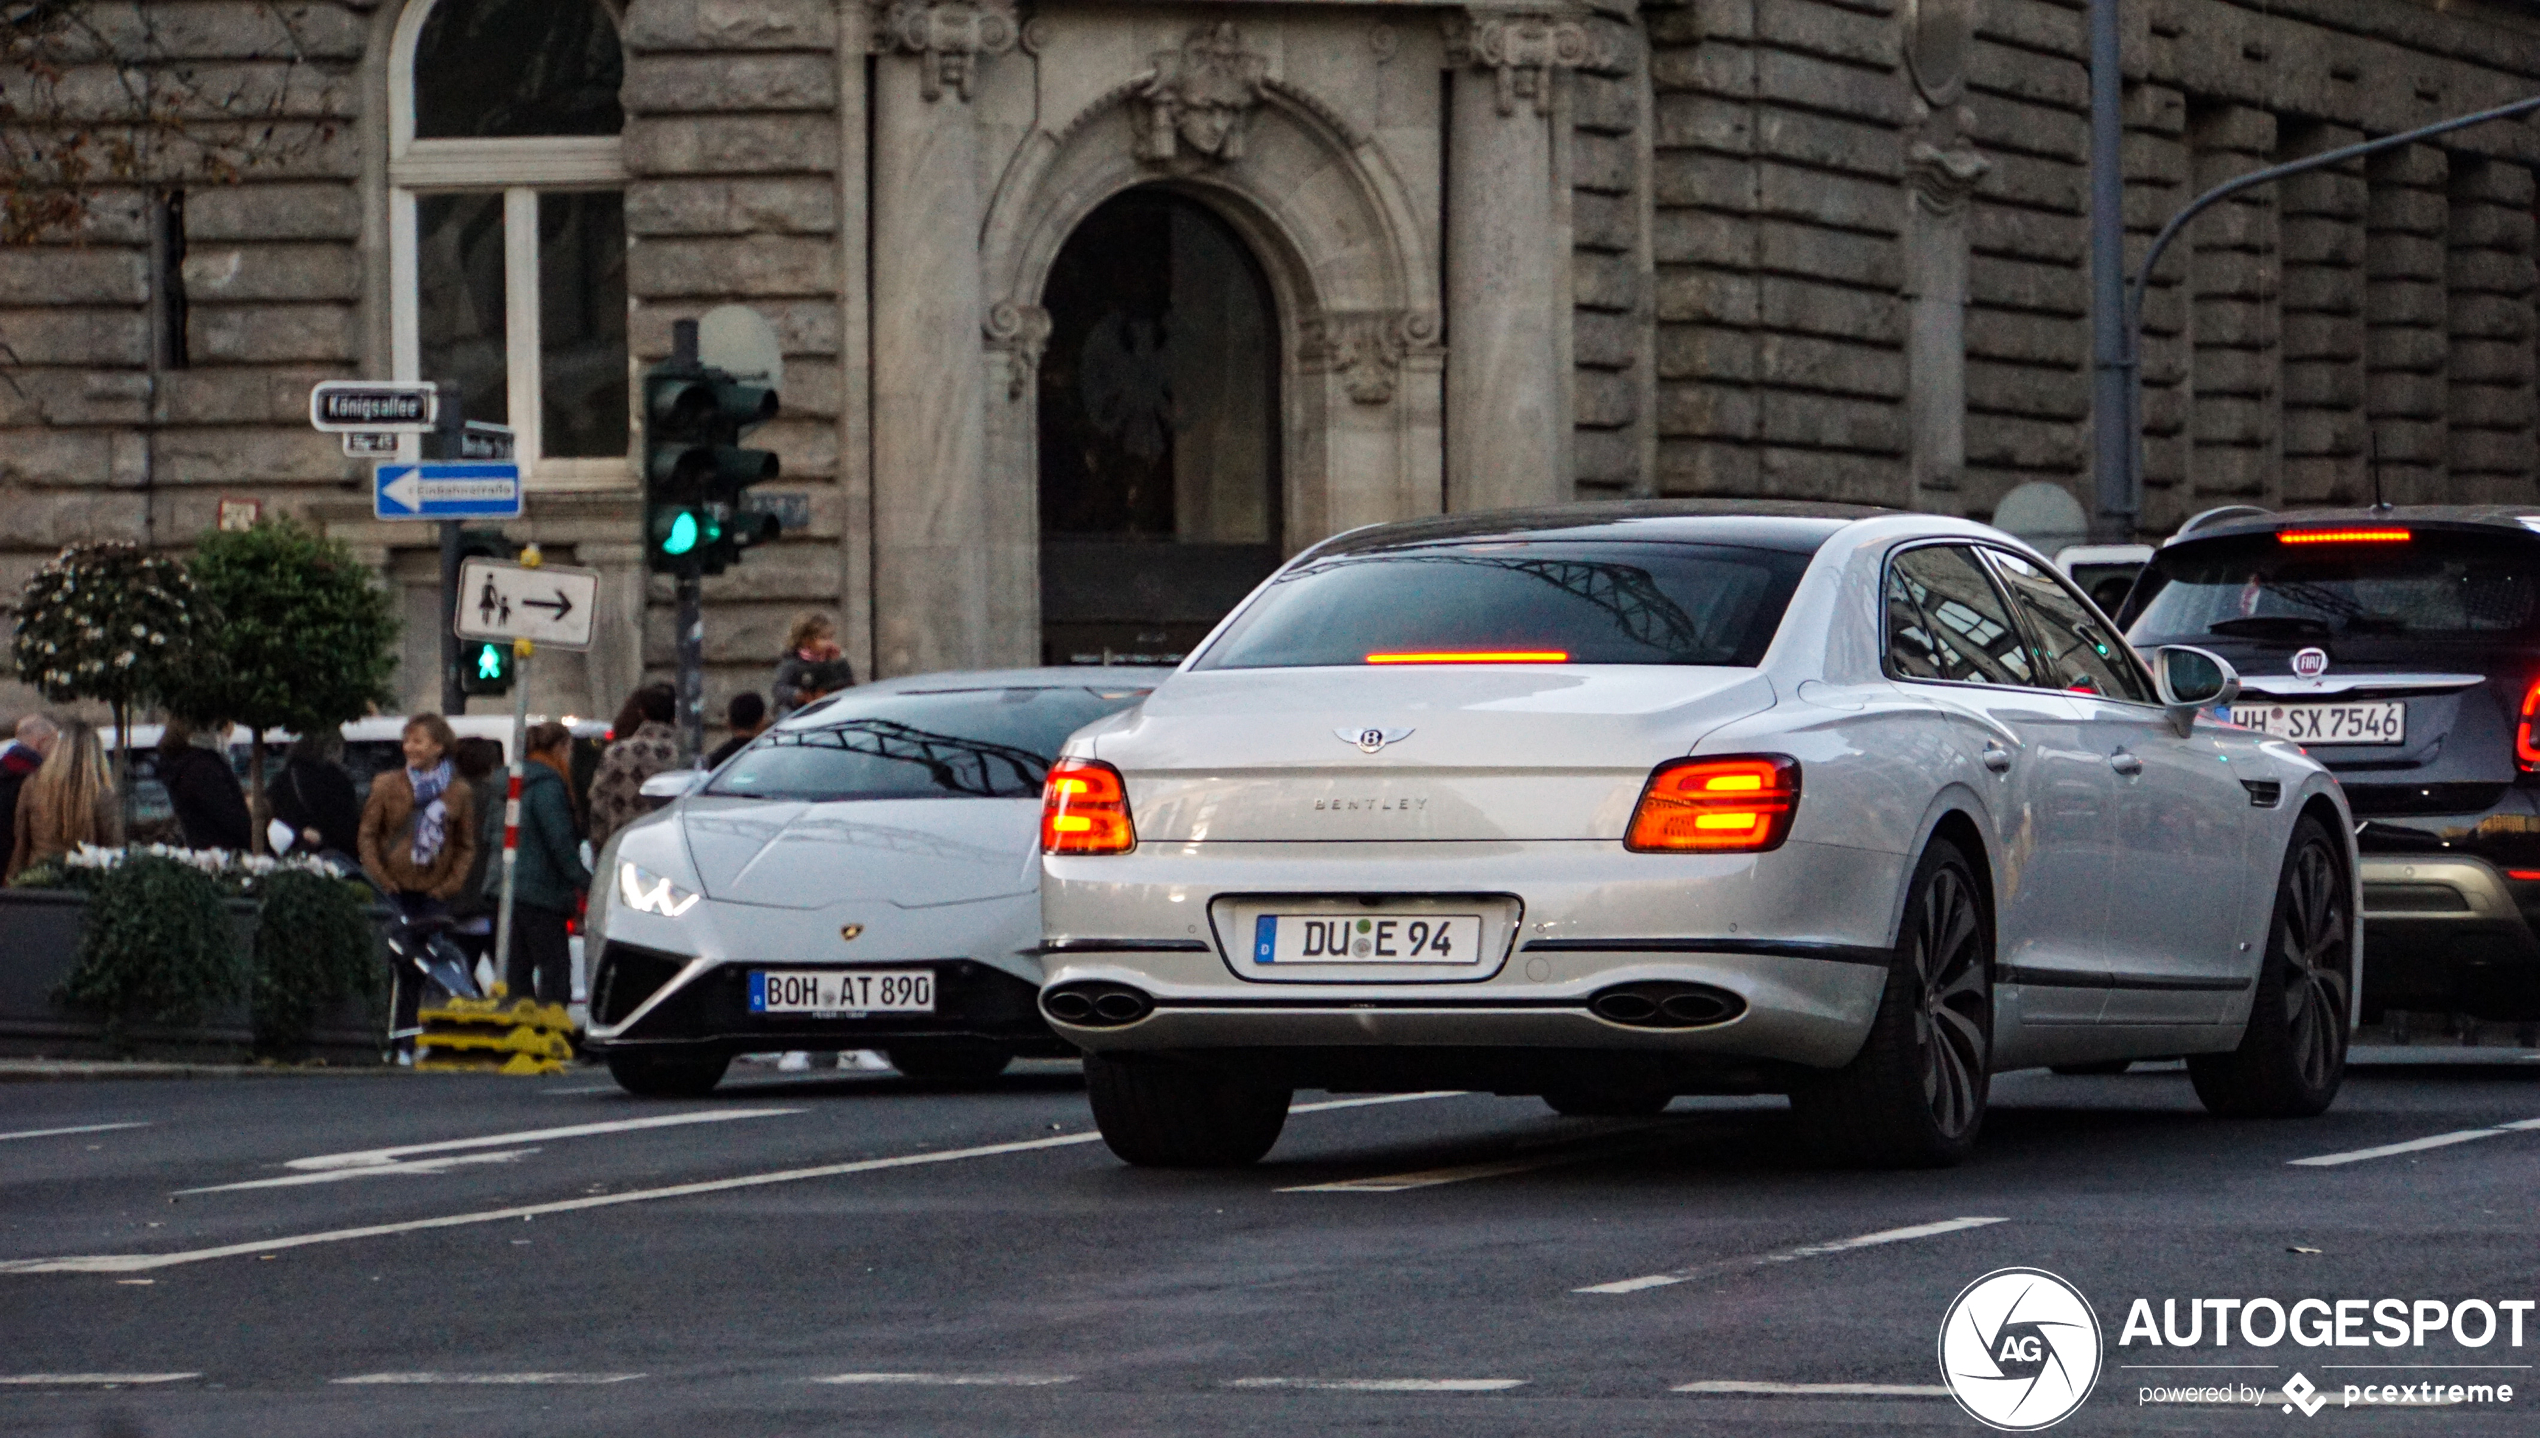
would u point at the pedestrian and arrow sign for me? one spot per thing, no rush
(549, 604)
(489, 490)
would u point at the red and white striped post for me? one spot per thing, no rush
(511, 799)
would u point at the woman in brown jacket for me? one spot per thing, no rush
(418, 833)
(68, 802)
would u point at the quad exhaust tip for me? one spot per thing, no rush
(1665, 1004)
(1094, 1004)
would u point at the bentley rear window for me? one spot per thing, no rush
(1519, 602)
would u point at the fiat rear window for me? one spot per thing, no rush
(2432, 583)
(1518, 602)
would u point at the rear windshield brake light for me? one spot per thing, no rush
(2343, 536)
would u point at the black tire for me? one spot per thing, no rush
(1159, 1114)
(1590, 1102)
(2292, 1057)
(950, 1062)
(648, 1077)
(2102, 1069)
(1914, 1096)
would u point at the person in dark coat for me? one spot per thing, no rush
(548, 878)
(18, 763)
(210, 803)
(480, 765)
(748, 717)
(313, 797)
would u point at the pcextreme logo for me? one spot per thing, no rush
(2019, 1349)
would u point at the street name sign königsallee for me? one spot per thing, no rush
(551, 604)
(454, 490)
(340, 406)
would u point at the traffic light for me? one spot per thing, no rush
(695, 470)
(485, 667)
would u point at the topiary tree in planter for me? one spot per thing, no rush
(314, 949)
(109, 622)
(158, 948)
(306, 640)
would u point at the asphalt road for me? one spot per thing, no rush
(861, 1254)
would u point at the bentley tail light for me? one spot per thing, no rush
(1740, 805)
(1085, 810)
(2526, 743)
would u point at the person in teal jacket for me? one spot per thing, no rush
(549, 877)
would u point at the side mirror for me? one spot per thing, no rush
(2191, 679)
(673, 784)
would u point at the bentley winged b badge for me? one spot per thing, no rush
(1371, 739)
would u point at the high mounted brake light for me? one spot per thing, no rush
(2343, 536)
(1085, 810)
(1472, 656)
(1740, 805)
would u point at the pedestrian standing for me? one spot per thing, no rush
(639, 753)
(811, 654)
(748, 718)
(418, 835)
(472, 908)
(548, 878)
(210, 803)
(18, 763)
(69, 801)
(313, 797)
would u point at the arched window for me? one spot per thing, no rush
(507, 224)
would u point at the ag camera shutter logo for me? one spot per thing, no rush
(2019, 1349)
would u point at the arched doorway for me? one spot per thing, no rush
(1160, 469)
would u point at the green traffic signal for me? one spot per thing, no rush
(683, 533)
(488, 669)
(696, 474)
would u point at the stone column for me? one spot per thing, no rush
(1505, 258)
(1941, 171)
(2407, 352)
(2488, 373)
(931, 573)
(2235, 438)
(2323, 232)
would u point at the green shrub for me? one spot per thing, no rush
(314, 949)
(158, 948)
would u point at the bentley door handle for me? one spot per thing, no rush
(2125, 763)
(1997, 758)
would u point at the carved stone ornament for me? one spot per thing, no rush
(949, 40)
(1021, 331)
(1938, 36)
(1941, 161)
(1201, 96)
(1521, 51)
(1367, 348)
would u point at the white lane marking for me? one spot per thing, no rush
(1370, 1100)
(141, 1262)
(370, 1156)
(1819, 1390)
(90, 1380)
(2416, 1145)
(382, 1170)
(83, 1128)
(954, 1380)
(1385, 1385)
(505, 1378)
(1791, 1255)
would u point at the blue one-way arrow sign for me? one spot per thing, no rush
(446, 491)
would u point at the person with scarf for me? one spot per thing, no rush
(418, 832)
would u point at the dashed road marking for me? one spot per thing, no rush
(560, 1379)
(142, 1262)
(404, 1159)
(953, 1380)
(1791, 1255)
(1735, 1388)
(91, 1380)
(2416, 1145)
(83, 1128)
(1385, 1385)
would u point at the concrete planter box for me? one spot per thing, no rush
(40, 932)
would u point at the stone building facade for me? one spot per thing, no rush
(1093, 312)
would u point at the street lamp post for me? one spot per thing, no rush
(2113, 517)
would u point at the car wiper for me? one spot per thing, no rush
(2271, 626)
